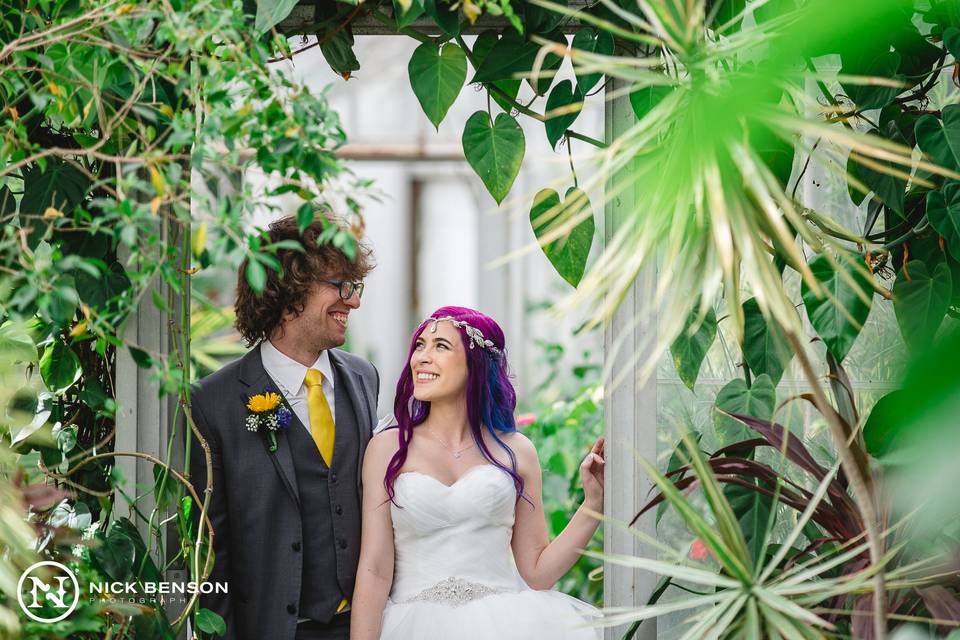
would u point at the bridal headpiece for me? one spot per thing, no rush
(476, 336)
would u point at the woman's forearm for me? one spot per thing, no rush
(563, 552)
(369, 600)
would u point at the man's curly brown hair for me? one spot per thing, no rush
(258, 316)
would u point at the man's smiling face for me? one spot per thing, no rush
(323, 321)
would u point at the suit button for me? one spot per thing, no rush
(343, 543)
(291, 608)
(296, 546)
(338, 510)
(333, 478)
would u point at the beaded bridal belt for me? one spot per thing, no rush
(455, 592)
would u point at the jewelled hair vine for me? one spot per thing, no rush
(475, 335)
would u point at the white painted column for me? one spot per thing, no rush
(144, 419)
(630, 412)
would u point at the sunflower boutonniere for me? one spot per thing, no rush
(268, 413)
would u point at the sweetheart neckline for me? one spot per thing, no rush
(455, 482)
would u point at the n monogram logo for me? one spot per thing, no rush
(39, 591)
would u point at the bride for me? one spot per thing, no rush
(450, 492)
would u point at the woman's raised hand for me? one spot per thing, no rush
(591, 477)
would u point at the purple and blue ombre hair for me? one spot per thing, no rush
(491, 398)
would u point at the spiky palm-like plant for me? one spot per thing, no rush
(725, 106)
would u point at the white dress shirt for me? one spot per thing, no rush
(288, 375)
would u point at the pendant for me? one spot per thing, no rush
(457, 454)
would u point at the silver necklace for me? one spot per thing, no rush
(457, 453)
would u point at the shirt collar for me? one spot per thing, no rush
(289, 373)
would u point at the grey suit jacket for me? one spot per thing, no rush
(254, 504)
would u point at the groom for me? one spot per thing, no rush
(287, 521)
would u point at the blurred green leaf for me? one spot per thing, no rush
(256, 275)
(270, 13)
(645, 99)
(59, 367)
(140, 357)
(872, 96)
(882, 429)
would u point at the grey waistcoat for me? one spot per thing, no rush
(330, 511)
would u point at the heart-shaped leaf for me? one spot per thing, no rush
(548, 68)
(338, 52)
(839, 315)
(752, 510)
(270, 13)
(943, 212)
(643, 100)
(568, 253)
(951, 38)
(567, 104)
(60, 185)
(941, 140)
(871, 96)
(689, 349)
(59, 367)
(406, 11)
(592, 41)
(437, 75)
(447, 20)
(889, 189)
(210, 622)
(494, 151)
(115, 554)
(16, 344)
(482, 47)
(920, 300)
(757, 401)
(886, 422)
(511, 54)
(765, 347)
(540, 20)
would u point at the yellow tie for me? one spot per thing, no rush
(321, 424)
(321, 420)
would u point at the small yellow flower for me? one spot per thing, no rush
(263, 402)
(471, 10)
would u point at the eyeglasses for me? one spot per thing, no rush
(347, 288)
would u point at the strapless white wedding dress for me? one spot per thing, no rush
(454, 575)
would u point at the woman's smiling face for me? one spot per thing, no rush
(438, 363)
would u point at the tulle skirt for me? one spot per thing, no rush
(522, 615)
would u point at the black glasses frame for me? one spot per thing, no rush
(347, 288)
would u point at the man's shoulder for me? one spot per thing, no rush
(354, 362)
(220, 380)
